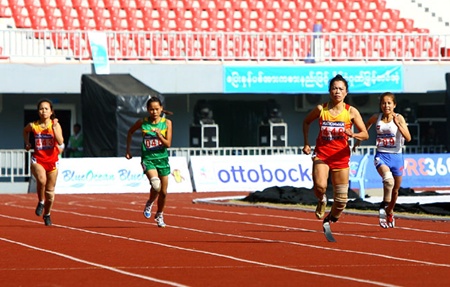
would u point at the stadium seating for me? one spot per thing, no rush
(356, 16)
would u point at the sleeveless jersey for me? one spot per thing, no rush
(152, 147)
(389, 138)
(332, 142)
(45, 145)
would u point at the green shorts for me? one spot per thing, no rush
(161, 165)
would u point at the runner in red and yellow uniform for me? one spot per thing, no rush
(48, 144)
(332, 151)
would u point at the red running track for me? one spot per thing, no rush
(104, 240)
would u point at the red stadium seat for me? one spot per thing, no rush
(59, 41)
(55, 23)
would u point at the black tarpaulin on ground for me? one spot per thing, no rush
(295, 195)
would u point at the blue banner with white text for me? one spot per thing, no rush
(422, 171)
(311, 79)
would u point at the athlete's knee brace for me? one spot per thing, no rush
(340, 199)
(388, 185)
(155, 183)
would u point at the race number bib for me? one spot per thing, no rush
(152, 142)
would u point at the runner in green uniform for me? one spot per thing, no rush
(156, 138)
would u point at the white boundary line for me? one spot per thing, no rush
(102, 266)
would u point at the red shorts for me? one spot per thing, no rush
(49, 166)
(336, 160)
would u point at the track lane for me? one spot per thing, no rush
(191, 218)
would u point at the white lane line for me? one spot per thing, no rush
(183, 249)
(305, 219)
(148, 278)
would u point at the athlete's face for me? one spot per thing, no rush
(45, 110)
(338, 91)
(387, 105)
(155, 110)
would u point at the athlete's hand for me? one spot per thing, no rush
(128, 156)
(396, 120)
(307, 149)
(349, 132)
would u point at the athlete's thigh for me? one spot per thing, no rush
(51, 180)
(340, 176)
(38, 172)
(320, 172)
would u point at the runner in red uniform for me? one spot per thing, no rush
(48, 144)
(332, 151)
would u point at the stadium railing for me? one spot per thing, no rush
(14, 163)
(26, 45)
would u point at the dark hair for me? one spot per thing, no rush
(154, 99)
(45, 100)
(77, 125)
(388, 94)
(336, 78)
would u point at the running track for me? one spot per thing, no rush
(104, 240)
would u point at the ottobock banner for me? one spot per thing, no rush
(250, 173)
(116, 175)
(421, 171)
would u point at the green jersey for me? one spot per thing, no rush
(152, 147)
(76, 144)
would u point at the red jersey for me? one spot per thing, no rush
(332, 143)
(45, 145)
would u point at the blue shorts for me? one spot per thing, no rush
(392, 160)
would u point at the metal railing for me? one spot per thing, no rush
(14, 163)
(28, 45)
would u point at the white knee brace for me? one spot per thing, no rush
(388, 185)
(155, 183)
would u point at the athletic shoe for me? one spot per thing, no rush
(160, 220)
(390, 220)
(39, 209)
(321, 206)
(47, 220)
(148, 209)
(382, 218)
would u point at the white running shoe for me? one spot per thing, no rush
(390, 220)
(382, 218)
(160, 220)
(148, 209)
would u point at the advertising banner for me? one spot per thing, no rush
(311, 79)
(116, 175)
(250, 173)
(99, 49)
(421, 171)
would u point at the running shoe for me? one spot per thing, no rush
(160, 220)
(148, 209)
(39, 209)
(382, 218)
(321, 206)
(390, 220)
(47, 220)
